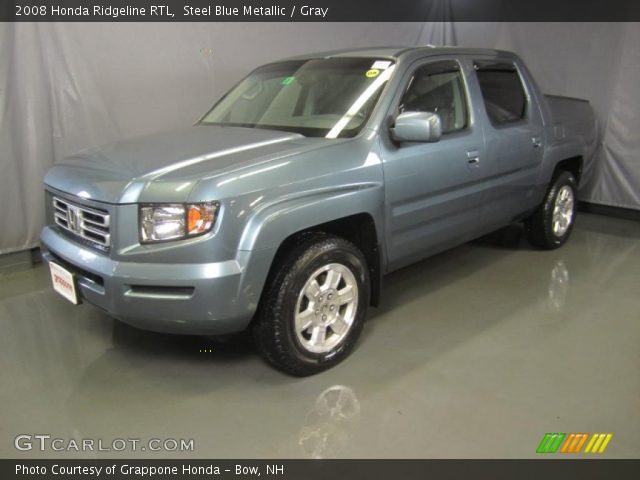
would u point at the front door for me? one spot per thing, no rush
(434, 195)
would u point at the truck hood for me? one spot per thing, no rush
(124, 171)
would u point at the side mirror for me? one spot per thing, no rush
(417, 127)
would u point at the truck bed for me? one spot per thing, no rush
(574, 116)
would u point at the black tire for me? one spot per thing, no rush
(274, 329)
(538, 227)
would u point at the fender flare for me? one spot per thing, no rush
(271, 224)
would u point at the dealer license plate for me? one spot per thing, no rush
(63, 282)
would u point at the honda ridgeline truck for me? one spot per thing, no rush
(283, 207)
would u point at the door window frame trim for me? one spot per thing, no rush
(405, 83)
(526, 118)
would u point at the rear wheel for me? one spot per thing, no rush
(550, 225)
(314, 306)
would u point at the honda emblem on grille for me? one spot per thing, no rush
(73, 219)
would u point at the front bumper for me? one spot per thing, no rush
(199, 299)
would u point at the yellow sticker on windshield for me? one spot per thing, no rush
(374, 72)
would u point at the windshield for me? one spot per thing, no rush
(331, 97)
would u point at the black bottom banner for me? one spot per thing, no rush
(320, 469)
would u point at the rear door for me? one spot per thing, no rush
(433, 192)
(514, 139)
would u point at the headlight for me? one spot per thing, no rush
(176, 221)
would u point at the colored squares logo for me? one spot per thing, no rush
(598, 443)
(550, 442)
(574, 442)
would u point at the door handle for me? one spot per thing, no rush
(536, 141)
(473, 158)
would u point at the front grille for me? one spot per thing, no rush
(87, 223)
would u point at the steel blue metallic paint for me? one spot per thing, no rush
(422, 197)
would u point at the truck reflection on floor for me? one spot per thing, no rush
(558, 287)
(327, 425)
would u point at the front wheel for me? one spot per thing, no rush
(313, 308)
(550, 225)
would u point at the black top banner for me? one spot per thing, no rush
(320, 10)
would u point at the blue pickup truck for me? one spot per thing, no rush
(283, 207)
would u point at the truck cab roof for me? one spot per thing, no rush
(403, 52)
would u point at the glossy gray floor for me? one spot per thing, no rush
(475, 353)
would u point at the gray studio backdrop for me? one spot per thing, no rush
(68, 86)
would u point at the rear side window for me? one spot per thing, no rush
(438, 88)
(502, 91)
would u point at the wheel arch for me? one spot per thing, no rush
(345, 212)
(573, 165)
(359, 229)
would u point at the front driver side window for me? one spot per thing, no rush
(438, 88)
